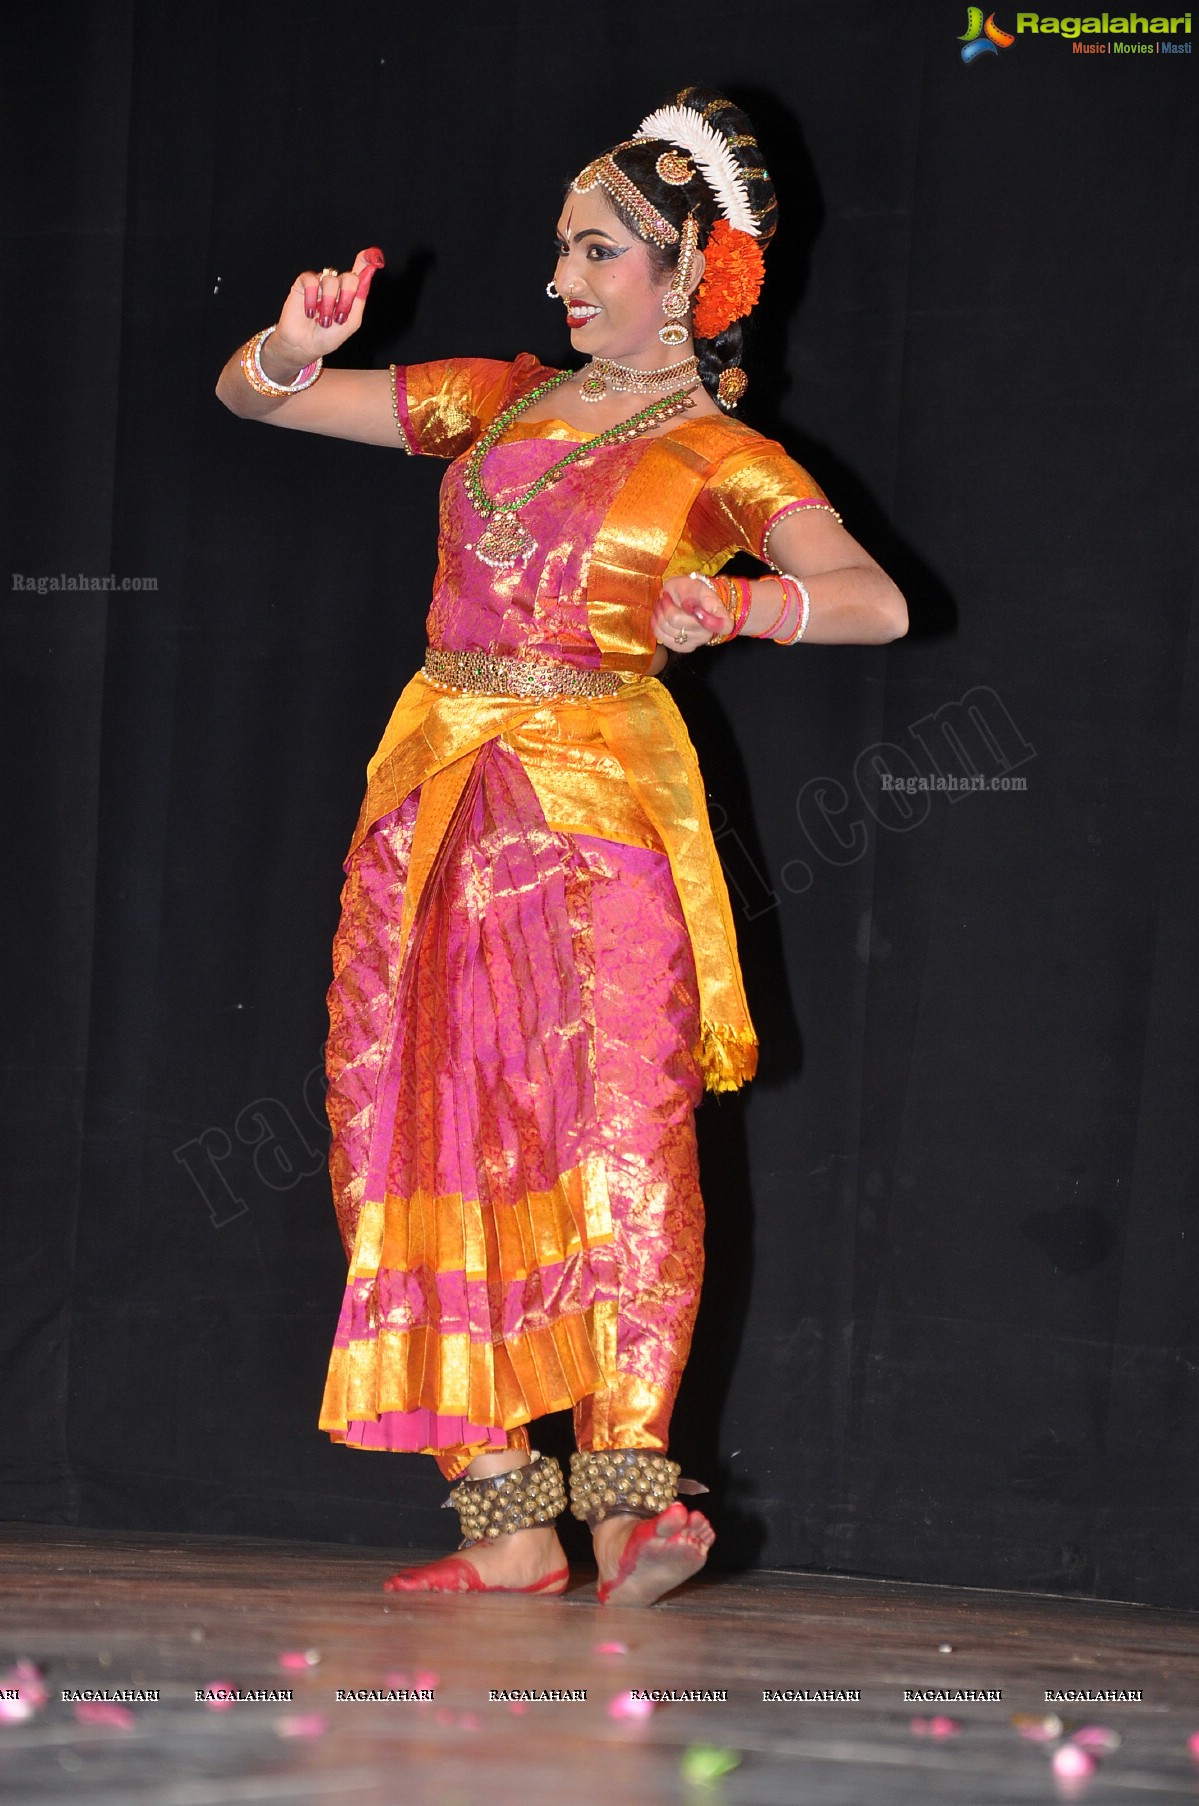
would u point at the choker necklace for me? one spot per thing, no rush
(506, 540)
(603, 375)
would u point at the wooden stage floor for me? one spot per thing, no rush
(99, 1612)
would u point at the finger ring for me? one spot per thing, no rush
(681, 636)
(327, 271)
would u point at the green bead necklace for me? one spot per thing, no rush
(507, 540)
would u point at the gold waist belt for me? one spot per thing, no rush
(495, 674)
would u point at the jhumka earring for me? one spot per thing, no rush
(551, 289)
(676, 302)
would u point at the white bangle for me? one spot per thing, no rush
(802, 587)
(266, 385)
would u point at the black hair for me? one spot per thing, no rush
(638, 160)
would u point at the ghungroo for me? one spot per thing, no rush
(636, 1483)
(500, 1503)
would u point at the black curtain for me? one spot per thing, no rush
(948, 1330)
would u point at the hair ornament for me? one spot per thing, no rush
(731, 386)
(675, 169)
(608, 173)
(709, 149)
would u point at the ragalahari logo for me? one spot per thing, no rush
(982, 38)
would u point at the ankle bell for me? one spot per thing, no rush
(624, 1482)
(498, 1504)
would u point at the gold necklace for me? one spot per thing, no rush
(603, 375)
(506, 540)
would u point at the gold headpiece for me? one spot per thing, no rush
(626, 194)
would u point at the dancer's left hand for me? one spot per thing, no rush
(687, 615)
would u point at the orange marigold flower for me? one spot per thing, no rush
(732, 281)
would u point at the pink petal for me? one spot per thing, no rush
(302, 1724)
(219, 1705)
(1193, 1744)
(611, 1649)
(1097, 1737)
(102, 1711)
(943, 1727)
(31, 1692)
(1072, 1763)
(426, 1677)
(299, 1658)
(625, 1706)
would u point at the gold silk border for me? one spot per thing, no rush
(429, 730)
(504, 1383)
(403, 1367)
(506, 1242)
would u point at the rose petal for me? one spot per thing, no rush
(302, 1724)
(611, 1649)
(102, 1711)
(299, 1658)
(1071, 1762)
(1098, 1738)
(26, 1678)
(625, 1706)
(1193, 1744)
(426, 1677)
(943, 1727)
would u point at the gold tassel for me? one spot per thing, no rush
(728, 1057)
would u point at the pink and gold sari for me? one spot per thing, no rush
(535, 971)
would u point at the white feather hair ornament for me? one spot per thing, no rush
(709, 150)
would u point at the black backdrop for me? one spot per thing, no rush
(948, 1330)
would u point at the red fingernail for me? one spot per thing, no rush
(311, 312)
(326, 319)
(339, 319)
(374, 256)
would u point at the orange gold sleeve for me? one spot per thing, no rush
(442, 407)
(744, 498)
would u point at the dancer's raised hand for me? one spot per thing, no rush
(324, 308)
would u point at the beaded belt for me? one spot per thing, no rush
(494, 674)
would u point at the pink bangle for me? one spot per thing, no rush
(801, 590)
(768, 633)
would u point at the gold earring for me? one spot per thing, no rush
(676, 302)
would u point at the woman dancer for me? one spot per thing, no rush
(535, 973)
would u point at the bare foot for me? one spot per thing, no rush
(640, 1559)
(518, 1561)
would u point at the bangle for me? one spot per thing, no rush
(801, 629)
(257, 377)
(737, 597)
(768, 633)
(719, 587)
